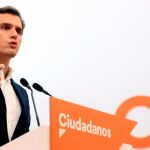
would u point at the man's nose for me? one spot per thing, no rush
(13, 33)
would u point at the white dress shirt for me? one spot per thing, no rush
(13, 108)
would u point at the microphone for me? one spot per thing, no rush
(39, 88)
(25, 83)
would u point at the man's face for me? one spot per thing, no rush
(10, 35)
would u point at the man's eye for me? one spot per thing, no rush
(19, 31)
(6, 27)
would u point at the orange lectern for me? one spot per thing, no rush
(74, 127)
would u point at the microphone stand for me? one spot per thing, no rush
(36, 114)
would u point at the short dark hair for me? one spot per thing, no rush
(12, 10)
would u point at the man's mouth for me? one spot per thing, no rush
(13, 45)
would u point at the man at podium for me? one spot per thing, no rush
(14, 103)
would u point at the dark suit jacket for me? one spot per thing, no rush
(24, 120)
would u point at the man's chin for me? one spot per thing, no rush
(8, 54)
(11, 55)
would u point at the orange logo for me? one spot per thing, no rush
(74, 127)
(123, 111)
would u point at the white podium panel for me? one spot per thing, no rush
(37, 139)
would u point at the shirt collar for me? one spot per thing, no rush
(9, 74)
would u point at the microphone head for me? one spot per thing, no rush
(37, 87)
(25, 83)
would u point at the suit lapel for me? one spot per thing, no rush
(18, 93)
